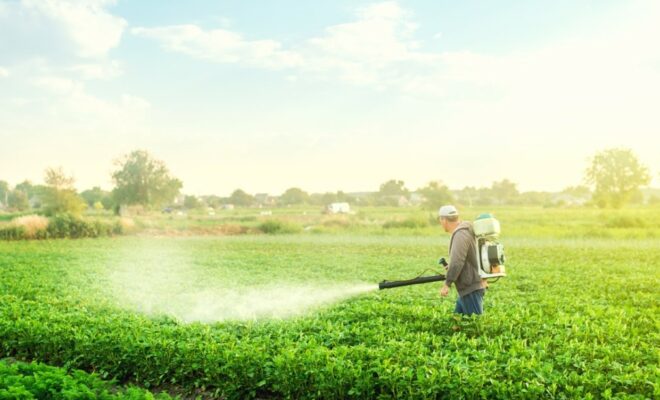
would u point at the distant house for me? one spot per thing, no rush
(338, 208)
(179, 199)
(227, 206)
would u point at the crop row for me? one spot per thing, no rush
(570, 321)
(19, 380)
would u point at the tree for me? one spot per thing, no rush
(143, 180)
(577, 191)
(191, 202)
(60, 196)
(97, 195)
(213, 201)
(504, 191)
(33, 192)
(616, 175)
(18, 200)
(391, 192)
(320, 199)
(535, 198)
(294, 196)
(323, 199)
(393, 188)
(435, 194)
(240, 198)
(467, 195)
(343, 197)
(4, 193)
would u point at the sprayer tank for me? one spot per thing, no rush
(486, 226)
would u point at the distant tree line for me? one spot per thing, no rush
(139, 180)
(613, 178)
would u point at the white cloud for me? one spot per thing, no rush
(380, 36)
(70, 100)
(134, 102)
(378, 49)
(52, 44)
(369, 50)
(98, 70)
(53, 48)
(219, 45)
(86, 24)
(4, 72)
(57, 85)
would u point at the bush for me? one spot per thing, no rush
(233, 229)
(125, 224)
(410, 223)
(34, 226)
(70, 226)
(337, 223)
(59, 226)
(12, 232)
(275, 226)
(624, 221)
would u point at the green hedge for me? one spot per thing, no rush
(65, 226)
(409, 223)
(275, 226)
(69, 226)
(19, 380)
(12, 233)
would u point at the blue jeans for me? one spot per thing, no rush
(471, 303)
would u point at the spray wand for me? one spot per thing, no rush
(415, 281)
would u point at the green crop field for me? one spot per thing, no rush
(298, 316)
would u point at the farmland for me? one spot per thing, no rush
(576, 317)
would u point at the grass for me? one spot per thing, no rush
(549, 223)
(576, 317)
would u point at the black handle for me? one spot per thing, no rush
(415, 281)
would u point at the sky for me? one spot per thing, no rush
(328, 95)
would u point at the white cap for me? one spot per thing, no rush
(447, 211)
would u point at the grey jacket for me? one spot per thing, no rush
(463, 264)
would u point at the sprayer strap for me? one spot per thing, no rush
(451, 241)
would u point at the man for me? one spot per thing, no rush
(463, 269)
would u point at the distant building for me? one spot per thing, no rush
(179, 200)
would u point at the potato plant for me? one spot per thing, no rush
(575, 318)
(19, 380)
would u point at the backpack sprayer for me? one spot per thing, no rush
(490, 255)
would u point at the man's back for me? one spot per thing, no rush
(463, 268)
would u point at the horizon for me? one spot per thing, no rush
(327, 97)
(408, 187)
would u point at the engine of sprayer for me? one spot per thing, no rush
(490, 252)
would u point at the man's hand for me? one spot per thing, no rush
(444, 291)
